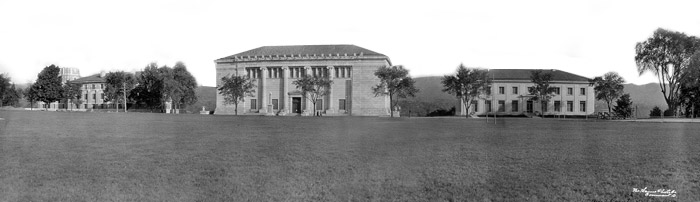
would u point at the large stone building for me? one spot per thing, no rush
(574, 95)
(92, 92)
(274, 68)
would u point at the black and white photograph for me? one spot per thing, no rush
(309, 100)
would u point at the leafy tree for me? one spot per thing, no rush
(665, 55)
(170, 89)
(186, 84)
(542, 90)
(623, 108)
(313, 88)
(148, 91)
(72, 93)
(467, 84)
(234, 88)
(48, 87)
(690, 86)
(608, 87)
(30, 95)
(9, 94)
(392, 83)
(117, 86)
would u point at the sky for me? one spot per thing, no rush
(430, 38)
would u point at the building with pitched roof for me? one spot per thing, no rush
(92, 92)
(573, 95)
(274, 68)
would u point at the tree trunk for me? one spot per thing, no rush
(124, 92)
(235, 109)
(391, 102)
(466, 108)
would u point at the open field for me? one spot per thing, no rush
(61, 156)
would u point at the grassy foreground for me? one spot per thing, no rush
(58, 156)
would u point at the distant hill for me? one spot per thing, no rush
(431, 97)
(206, 96)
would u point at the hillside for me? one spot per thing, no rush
(431, 97)
(206, 96)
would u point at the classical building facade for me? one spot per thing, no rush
(274, 68)
(574, 95)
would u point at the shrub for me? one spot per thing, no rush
(655, 112)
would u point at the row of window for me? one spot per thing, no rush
(569, 91)
(94, 96)
(275, 104)
(299, 72)
(515, 105)
(93, 86)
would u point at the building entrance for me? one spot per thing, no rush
(296, 105)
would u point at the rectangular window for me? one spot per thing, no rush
(319, 104)
(557, 91)
(341, 104)
(488, 105)
(476, 106)
(342, 72)
(501, 105)
(275, 104)
(336, 72)
(514, 106)
(349, 74)
(569, 106)
(582, 106)
(515, 90)
(501, 90)
(583, 91)
(269, 73)
(557, 106)
(94, 96)
(544, 108)
(253, 103)
(93, 86)
(569, 91)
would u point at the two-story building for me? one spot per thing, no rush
(274, 68)
(573, 95)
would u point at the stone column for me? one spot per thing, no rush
(263, 92)
(308, 106)
(330, 109)
(283, 102)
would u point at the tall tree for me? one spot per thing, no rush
(170, 89)
(313, 88)
(4, 87)
(48, 87)
(72, 93)
(117, 86)
(690, 86)
(665, 55)
(187, 85)
(542, 90)
(30, 95)
(148, 92)
(623, 108)
(608, 88)
(234, 88)
(392, 84)
(467, 84)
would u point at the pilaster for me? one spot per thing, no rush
(284, 107)
(308, 106)
(263, 91)
(329, 97)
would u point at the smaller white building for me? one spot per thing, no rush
(574, 95)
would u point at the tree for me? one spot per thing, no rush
(72, 93)
(234, 88)
(117, 86)
(148, 91)
(31, 95)
(392, 83)
(186, 84)
(542, 90)
(690, 86)
(623, 108)
(467, 84)
(665, 55)
(608, 88)
(313, 88)
(48, 87)
(9, 94)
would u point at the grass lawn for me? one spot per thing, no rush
(60, 156)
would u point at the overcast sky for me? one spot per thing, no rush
(430, 38)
